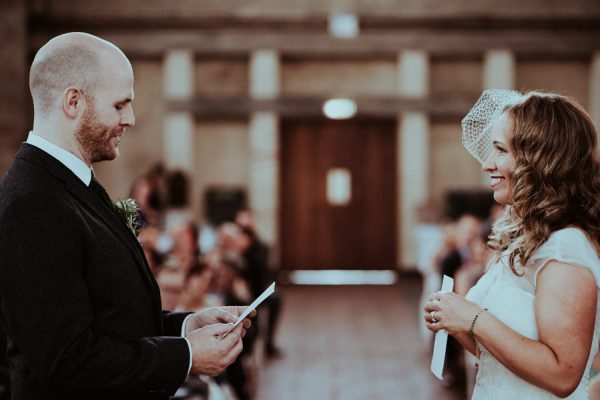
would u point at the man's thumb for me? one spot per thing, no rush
(218, 329)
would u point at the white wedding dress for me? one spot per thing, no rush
(511, 298)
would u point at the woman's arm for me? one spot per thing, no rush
(565, 309)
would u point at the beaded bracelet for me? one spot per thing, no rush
(473, 323)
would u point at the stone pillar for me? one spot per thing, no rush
(413, 151)
(594, 107)
(179, 139)
(499, 69)
(14, 103)
(263, 130)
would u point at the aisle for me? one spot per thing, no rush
(351, 343)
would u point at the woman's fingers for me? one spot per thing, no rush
(432, 306)
(434, 327)
(435, 296)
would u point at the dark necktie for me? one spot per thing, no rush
(100, 192)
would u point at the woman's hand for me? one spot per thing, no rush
(450, 312)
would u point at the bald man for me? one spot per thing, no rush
(78, 303)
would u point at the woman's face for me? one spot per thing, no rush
(501, 162)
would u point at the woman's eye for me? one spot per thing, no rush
(118, 107)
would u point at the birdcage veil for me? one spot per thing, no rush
(477, 124)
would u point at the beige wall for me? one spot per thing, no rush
(306, 8)
(452, 167)
(222, 157)
(222, 152)
(455, 76)
(221, 77)
(339, 78)
(568, 77)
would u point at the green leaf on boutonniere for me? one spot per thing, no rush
(128, 212)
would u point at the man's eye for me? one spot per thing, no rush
(118, 107)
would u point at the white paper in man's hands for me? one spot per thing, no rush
(268, 291)
(441, 337)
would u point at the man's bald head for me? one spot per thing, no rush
(73, 59)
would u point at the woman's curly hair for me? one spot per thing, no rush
(556, 181)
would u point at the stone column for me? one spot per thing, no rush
(14, 103)
(263, 130)
(499, 70)
(413, 151)
(594, 107)
(179, 138)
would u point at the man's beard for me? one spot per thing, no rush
(95, 138)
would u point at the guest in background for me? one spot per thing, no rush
(170, 281)
(196, 285)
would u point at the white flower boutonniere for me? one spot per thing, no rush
(128, 211)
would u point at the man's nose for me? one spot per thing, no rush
(129, 118)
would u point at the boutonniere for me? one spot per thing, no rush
(128, 211)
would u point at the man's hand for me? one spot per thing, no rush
(218, 315)
(211, 354)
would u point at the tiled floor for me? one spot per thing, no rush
(350, 343)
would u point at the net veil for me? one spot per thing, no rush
(477, 124)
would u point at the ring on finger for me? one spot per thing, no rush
(433, 319)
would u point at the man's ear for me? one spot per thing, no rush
(73, 102)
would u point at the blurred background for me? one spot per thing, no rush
(316, 143)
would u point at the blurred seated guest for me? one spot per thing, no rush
(170, 283)
(429, 239)
(143, 192)
(470, 271)
(245, 219)
(229, 240)
(231, 288)
(208, 238)
(185, 244)
(177, 192)
(195, 288)
(259, 276)
(468, 228)
(150, 239)
(229, 282)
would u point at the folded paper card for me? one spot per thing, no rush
(441, 337)
(268, 291)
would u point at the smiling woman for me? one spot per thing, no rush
(527, 319)
(501, 162)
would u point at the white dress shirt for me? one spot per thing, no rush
(69, 160)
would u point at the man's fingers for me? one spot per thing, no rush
(234, 352)
(217, 329)
(222, 314)
(233, 336)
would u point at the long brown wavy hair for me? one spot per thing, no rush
(556, 181)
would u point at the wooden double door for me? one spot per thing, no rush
(317, 233)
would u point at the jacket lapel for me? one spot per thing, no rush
(94, 204)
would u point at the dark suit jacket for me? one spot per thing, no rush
(77, 300)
